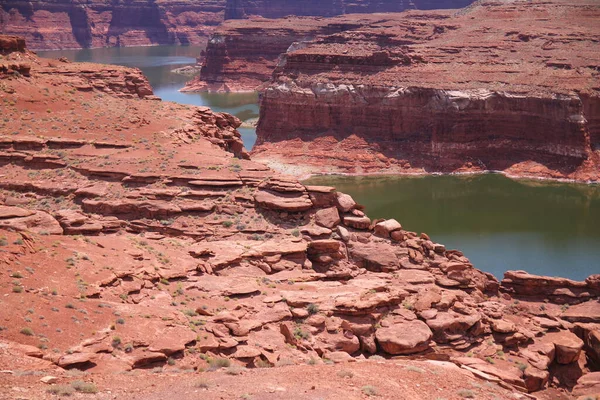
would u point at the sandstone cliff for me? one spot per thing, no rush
(242, 54)
(65, 24)
(495, 87)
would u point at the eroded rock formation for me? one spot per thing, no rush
(504, 87)
(65, 24)
(131, 238)
(242, 54)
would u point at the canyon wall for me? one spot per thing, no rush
(242, 54)
(64, 24)
(495, 87)
(237, 9)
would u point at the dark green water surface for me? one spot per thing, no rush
(500, 224)
(157, 63)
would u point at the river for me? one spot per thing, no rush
(500, 224)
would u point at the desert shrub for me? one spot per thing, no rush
(466, 393)
(84, 387)
(312, 309)
(27, 331)
(61, 390)
(369, 390)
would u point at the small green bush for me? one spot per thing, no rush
(312, 309)
(27, 331)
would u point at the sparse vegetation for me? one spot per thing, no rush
(345, 374)
(84, 387)
(301, 334)
(61, 390)
(27, 331)
(369, 390)
(466, 393)
(216, 363)
(234, 370)
(522, 366)
(312, 309)
(202, 384)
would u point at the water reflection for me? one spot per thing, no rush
(500, 224)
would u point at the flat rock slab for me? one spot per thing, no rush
(404, 338)
(283, 201)
(14, 212)
(172, 340)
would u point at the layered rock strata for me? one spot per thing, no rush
(504, 87)
(131, 238)
(242, 54)
(65, 24)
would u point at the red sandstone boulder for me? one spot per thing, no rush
(385, 228)
(448, 326)
(75, 359)
(172, 340)
(568, 346)
(535, 379)
(328, 217)
(588, 385)
(9, 44)
(345, 202)
(357, 222)
(404, 338)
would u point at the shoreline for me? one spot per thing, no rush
(303, 176)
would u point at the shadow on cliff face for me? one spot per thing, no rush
(146, 19)
(82, 30)
(23, 8)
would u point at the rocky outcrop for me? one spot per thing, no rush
(99, 23)
(557, 290)
(432, 94)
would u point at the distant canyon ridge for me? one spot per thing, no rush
(67, 24)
